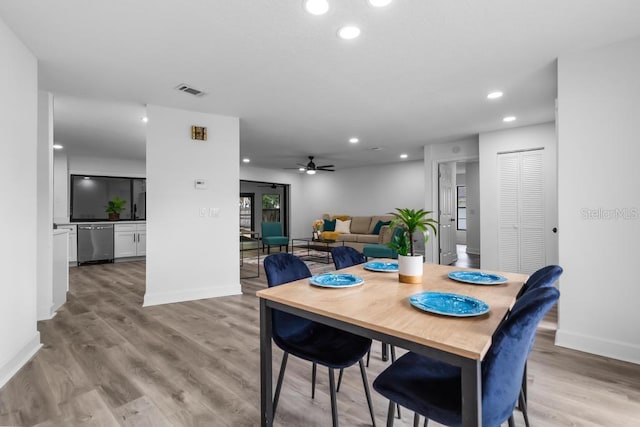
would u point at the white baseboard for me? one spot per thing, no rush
(473, 251)
(13, 365)
(190, 295)
(596, 345)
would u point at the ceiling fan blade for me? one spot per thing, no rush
(326, 170)
(325, 166)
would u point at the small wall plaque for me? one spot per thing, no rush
(199, 133)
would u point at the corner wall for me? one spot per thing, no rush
(19, 338)
(599, 200)
(192, 248)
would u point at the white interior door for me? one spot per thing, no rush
(446, 210)
(521, 214)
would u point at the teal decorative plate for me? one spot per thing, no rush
(387, 267)
(331, 280)
(449, 304)
(477, 277)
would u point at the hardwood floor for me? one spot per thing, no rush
(106, 361)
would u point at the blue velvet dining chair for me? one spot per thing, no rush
(309, 340)
(544, 277)
(272, 236)
(433, 389)
(346, 256)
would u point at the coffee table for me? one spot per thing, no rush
(322, 245)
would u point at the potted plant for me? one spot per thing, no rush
(410, 220)
(114, 208)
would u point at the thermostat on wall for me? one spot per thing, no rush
(200, 184)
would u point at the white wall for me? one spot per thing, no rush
(522, 138)
(45, 206)
(19, 338)
(473, 207)
(60, 187)
(462, 150)
(598, 152)
(190, 256)
(371, 190)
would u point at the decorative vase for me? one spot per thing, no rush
(410, 268)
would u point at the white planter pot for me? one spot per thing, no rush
(410, 268)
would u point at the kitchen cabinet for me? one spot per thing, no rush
(73, 242)
(129, 240)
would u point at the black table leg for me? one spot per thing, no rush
(472, 393)
(266, 402)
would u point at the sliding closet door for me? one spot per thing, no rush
(521, 215)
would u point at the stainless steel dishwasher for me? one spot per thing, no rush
(95, 243)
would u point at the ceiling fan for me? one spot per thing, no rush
(311, 168)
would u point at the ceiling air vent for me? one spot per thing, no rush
(188, 89)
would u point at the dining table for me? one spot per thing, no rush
(380, 309)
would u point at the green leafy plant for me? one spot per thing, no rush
(410, 220)
(116, 205)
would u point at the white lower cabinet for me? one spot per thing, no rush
(73, 242)
(129, 240)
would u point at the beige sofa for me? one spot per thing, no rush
(361, 231)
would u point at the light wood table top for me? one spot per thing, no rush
(382, 304)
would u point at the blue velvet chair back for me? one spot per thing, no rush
(546, 276)
(270, 229)
(283, 268)
(504, 363)
(346, 256)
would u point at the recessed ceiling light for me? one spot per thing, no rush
(145, 119)
(349, 32)
(354, 140)
(246, 160)
(509, 119)
(379, 3)
(316, 7)
(404, 156)
(311, 172)
(57, 147)
(495, 95)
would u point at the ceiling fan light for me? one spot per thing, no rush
(349, 32)
(311, 172)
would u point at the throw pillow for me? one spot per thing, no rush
(379, 224)
(343, 226)
(329, 225)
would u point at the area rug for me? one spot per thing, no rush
(315, 260)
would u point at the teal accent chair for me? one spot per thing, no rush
(272, 236)
(381, 251)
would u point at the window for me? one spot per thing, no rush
(461, 201)
(270, 208)
(90, 195)
(246, 211)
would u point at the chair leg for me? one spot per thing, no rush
(332, 391)
(368, 357)
(313, 381)
(416, 419)
(283, 366)
(523, 408)
(385, 356)
(363, 372)
(339, 380)
(393, 359)
(390, 414)
(524, 384)
(512, 423)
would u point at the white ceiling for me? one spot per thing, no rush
(419, 73)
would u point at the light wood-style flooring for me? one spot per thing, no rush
(106, 361)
